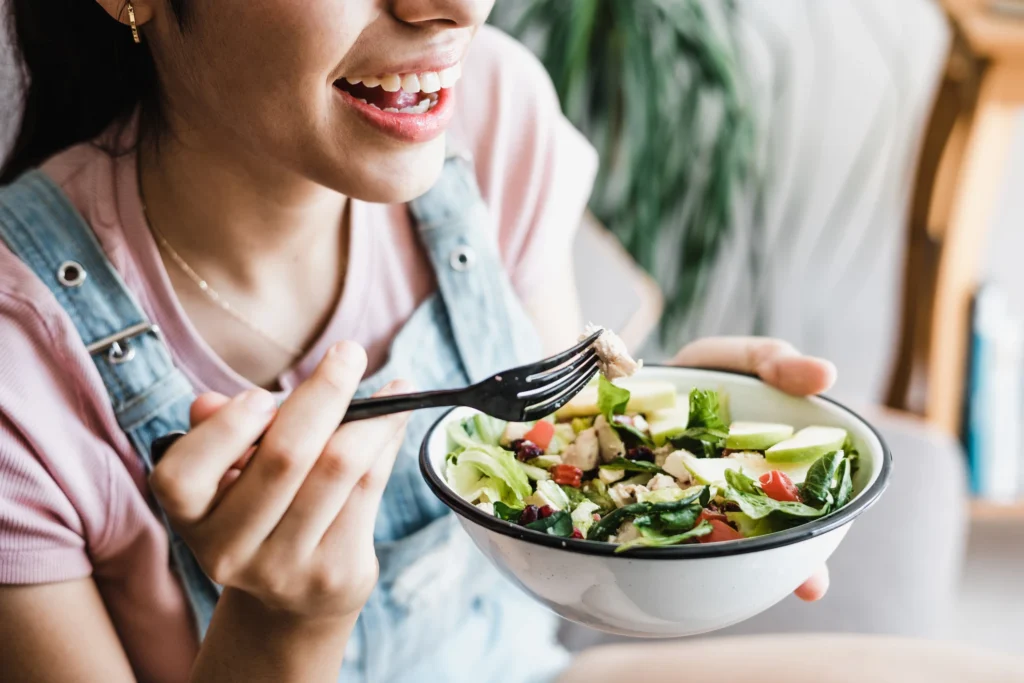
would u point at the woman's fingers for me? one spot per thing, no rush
(777, 362)
(187, 479)
(814, 588)
(205, 406)
(349, 455)
(256, 502)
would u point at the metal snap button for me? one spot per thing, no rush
(462, 258)
(71, 274)
(119, 353)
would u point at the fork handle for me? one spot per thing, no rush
(363, 409)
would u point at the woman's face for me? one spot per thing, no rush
(351, 94)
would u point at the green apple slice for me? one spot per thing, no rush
(708, 471)
(667, 423)
(807, 445)
(756, 436)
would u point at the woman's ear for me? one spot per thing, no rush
(118, 9)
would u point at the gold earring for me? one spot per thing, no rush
(135, 27)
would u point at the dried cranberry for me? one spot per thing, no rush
(546, 511)
(641, 453)
(576, 533)
(526, 450)
(529, 515)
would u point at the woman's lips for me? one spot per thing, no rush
(410, 117)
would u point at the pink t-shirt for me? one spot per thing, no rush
(73, 496)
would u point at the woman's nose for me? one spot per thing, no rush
(459, 13)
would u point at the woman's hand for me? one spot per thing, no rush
(778, 364)
(291, 522)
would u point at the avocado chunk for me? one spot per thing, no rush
(645, 396)
(709, 471)
(756, 436)
(667, 423)
(807, 445)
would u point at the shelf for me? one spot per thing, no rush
(996, 512)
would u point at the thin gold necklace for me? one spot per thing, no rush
(212, 294)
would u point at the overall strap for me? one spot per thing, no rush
(149, 395)
(459, 235)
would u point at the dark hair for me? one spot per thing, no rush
(81, 72)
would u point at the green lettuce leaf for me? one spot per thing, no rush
(502, 468)
(487, 429)
(583, 516)
(574, 495)
(597, 491)
(652, 539)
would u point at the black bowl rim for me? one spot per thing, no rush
(818, 527)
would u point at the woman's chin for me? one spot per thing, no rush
(397, 178)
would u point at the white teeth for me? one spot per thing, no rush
(391, 83)
(363, 101)
(449, 76)
(430, 82)
(411, 83)
(391, 110)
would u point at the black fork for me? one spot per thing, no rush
(521, 394)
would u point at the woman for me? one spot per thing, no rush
(231, 159)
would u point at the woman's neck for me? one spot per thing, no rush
(261, 240)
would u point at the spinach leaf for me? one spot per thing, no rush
(633, 466)
(673, 522)
(611, 400)
(611, 522)
(653, 539)
(844, 489)
(705, 497)
(630, 435)
(507, 512)
(705, 410)
(557, 524)
(817, 487)
(702, 441)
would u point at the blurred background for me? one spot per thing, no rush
(845, 175)
(842, 174)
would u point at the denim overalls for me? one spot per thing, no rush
(440, 612)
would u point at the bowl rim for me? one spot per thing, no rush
(817, 527)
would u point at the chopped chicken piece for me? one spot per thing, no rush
(661, 454)
(610, 442)
(662, 481)
(610, 476)
(612, 355)
(627, 532)
(583, 451)
(625, 494)
(674, 465)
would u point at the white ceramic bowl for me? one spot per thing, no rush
(680, 590)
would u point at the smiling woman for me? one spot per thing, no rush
(252, 246)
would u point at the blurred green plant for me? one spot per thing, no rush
(656, 86)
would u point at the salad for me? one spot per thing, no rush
(632, 463)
